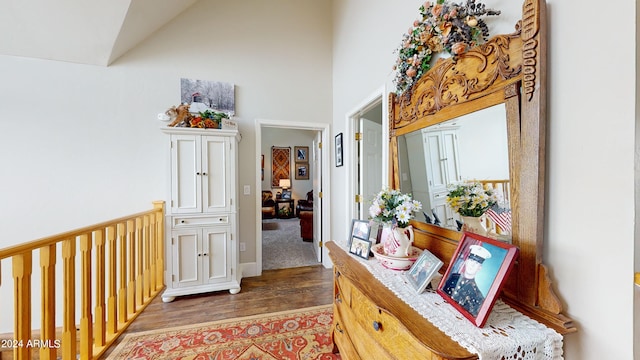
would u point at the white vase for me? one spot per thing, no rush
(474, 225)
(397, 241)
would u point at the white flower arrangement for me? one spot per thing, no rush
(471, 199)
(393, 207)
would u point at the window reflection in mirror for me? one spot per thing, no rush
(470, 147)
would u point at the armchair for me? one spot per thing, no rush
(305, 204)
(268, 205)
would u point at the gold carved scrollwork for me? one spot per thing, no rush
(448, 82)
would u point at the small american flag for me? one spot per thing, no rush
(500, 216)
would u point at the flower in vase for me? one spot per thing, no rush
(393, 207)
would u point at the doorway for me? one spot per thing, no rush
(368, 131)
(320, 183)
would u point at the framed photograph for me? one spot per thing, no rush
(286, 195)
(302, 171)
(423, 270)
(476, 275)
(339, 150)
(359, 243)
(302, 153)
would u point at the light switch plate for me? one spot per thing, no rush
(247, 189)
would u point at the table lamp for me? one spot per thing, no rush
(285, 184)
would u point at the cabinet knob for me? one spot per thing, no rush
(205, 174)
(376, 325)
(205, 254)
(199, 254)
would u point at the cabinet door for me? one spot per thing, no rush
(451, 163)
(216, 254)
(216, 162)
(187, 257)
(186, 181)
(434, 156)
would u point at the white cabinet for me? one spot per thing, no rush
(202, 247)
(443, 169)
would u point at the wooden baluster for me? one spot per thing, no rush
(146, 271)
(122, 293)
(86, 322)
(153, 249)
(22, 297)
(160, 243)
(48, 306)
(131, 289)
(69, 290)
(112, 312)
(99, 316)
(139, 263)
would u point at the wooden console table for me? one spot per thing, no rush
(371, 321)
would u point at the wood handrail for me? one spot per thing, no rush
(110, 272)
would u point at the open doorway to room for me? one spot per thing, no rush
(368, 133)
(291, 221)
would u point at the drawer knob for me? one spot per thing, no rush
(376, 326)
(182, 221)
(338, 329)
(338, 299)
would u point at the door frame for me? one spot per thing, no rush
(324, 130)
(352, 120)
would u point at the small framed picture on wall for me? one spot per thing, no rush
(302, 171)
(339, 150)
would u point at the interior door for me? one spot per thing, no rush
(371, 162)
(317, 200)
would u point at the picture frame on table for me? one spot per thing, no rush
(302, 153)
(339, 150)
(423, 270)
(476, 275)
(359, 243)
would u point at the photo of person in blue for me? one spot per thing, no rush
(462, 287)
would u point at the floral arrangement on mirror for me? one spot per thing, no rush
(471, 199)
(391, 207)
(444, 26)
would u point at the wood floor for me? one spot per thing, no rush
(274, 290)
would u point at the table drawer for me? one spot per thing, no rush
(185, 221)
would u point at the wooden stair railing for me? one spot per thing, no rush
(121, 269)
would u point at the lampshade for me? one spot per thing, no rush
(285, 183)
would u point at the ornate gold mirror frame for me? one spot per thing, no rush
(509, 69)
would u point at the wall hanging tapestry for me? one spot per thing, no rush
(280, 165)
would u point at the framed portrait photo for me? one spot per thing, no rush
(339, 150)
(476, 274)
(423, 270)
(301, 153)
(359, 243)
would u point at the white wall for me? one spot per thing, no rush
(81, 144)
(589, 207)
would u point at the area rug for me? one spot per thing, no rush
(283, 248)
(270, 226)
(288, 335)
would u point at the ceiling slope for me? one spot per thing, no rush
(88, 32)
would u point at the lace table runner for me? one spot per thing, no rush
(507, 334)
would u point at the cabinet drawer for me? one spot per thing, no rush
(384, 329)
(184, 221)
(341, 338)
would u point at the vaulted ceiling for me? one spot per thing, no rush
(89, 32)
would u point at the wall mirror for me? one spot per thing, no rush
(492, 99)
(471, 147)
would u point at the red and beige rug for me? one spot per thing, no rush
(295, 334)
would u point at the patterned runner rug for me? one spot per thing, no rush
(295, 334)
